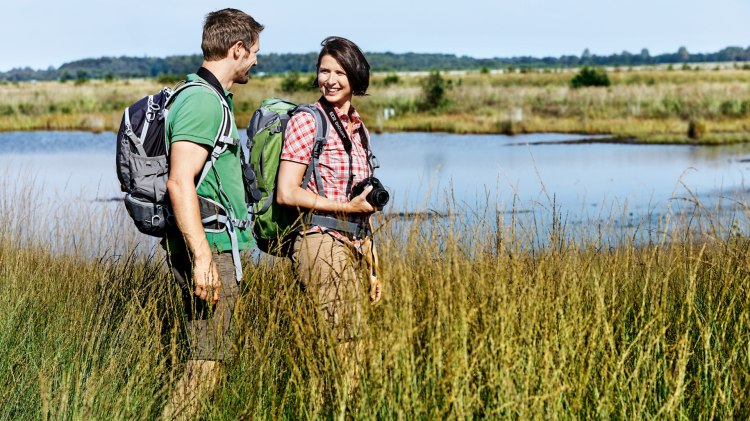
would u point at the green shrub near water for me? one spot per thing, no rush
(590, 76)
(169, 79)
(434, 88)
(391, 79)
(293, 82)
(518, 322)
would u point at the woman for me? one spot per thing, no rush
(325, 259)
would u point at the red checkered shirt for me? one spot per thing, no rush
(334, 161)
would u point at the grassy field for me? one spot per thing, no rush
(645, 105)
(525, 321)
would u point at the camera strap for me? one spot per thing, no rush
(339, 127)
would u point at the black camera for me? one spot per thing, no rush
(378, 196)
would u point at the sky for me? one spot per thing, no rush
(40, 34)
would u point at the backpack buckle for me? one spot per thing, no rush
(317, 149)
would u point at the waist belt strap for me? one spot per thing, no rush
(235, 252)
(229, 225)
(355, 229)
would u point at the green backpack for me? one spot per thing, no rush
(273, 223)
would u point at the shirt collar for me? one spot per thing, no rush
(208, 79)
(354, 116)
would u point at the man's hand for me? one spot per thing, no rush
(207, 282)
(376, 290)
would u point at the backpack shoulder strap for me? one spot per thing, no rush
(372, 160)
(223, 138)
(321, 137)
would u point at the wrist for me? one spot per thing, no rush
(202, 258)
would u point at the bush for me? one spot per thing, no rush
(434, 88)
(590, 76)
(292, 83)
(696, 129)
(391, 79)
(168, 78)
(82, 77)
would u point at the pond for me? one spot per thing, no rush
(438, 172)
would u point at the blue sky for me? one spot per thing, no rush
(40, 33)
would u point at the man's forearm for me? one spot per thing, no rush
(186, 210)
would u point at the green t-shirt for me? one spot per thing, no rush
(195, 116)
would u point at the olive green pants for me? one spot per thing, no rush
(208, 328)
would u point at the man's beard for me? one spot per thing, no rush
(243, 79)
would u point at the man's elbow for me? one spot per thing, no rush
(176, 187)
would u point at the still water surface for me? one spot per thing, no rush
(425, 171)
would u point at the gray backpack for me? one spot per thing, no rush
(142, 164)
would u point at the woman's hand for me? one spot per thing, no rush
(359, 204)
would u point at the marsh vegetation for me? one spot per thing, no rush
(644, 104)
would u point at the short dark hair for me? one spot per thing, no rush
(351, 58)
(223, 28)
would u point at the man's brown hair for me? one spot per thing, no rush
(223, 28)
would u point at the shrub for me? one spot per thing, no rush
(434, 88)
(696, 129)
(590, 76)
(82, 77)
(391, 79)
(292, 83)
(168, 78)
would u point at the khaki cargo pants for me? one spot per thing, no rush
(328, 270)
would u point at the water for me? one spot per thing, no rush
(441, 172)
(538, 169)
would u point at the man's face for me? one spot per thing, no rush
(248, 59)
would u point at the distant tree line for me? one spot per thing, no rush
(273, 63)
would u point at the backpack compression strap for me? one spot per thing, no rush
(151, 115)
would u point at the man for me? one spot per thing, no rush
(202, 261)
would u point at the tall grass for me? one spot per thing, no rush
(535, 318)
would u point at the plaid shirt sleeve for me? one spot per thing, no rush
(299, 139)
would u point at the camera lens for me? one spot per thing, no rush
(379, 197)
